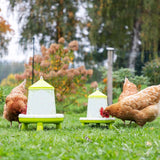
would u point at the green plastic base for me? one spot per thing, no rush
(40, 121)
(108, 122)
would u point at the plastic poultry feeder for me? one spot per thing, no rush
(96, 100)
(41, 106)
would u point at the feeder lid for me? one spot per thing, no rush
(97, 94)
(41, 84)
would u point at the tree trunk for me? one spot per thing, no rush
(135, 46)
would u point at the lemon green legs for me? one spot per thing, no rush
(58, 126)
(39, 126)
(24, 126)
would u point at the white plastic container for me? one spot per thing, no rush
(41, 99)
(96, 100)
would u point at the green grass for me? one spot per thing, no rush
(80, 142)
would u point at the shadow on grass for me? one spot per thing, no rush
(96, 126)
(127, 125)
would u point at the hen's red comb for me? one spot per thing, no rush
(101, 111)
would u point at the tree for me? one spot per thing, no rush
(128, 25)
(47, 19)
(4, 29)
(150, 33)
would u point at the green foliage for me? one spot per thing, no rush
(140, 80)
(80, 142)
(4, 91)
(103, 71)
(152, 70)
(2, 97)
(103, 88)
(119, 76)
(150, 28)
(111, 23)
(116, 92)
(2, 100)
(9, 81)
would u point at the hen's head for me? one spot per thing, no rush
(24, 110)
(104, 113)
(129, 86)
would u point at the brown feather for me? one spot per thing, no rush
(16, 103)
(128, 89)
(141, 107)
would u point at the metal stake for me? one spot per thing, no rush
(33, 62)
(109, 76)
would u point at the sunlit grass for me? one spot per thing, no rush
(80, 142)
(75, 141)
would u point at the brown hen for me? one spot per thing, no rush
(141, 107)
(16, 103)
(128, 89)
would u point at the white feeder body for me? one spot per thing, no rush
(95, 101)
(41, 99)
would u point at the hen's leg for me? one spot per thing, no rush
(124, 122)
(19, 125)
(11, 124)
(130, 122)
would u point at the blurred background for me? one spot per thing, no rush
(131, 27)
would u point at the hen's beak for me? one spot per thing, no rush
(104, 113)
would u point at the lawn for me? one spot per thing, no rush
(75, 141)
(80, 142)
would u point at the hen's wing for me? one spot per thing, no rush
(143, 99)
(15, 104)
(147, 114)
